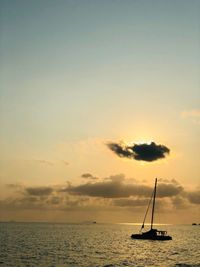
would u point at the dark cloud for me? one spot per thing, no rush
(146, 152)
(106, 189)
(115, 187)
(39, 191)
(89, 176)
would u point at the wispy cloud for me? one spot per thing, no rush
(65, 162)
(144, 152)
(89, 176)
(192, 114)
(42, 161)
(14, 186)
(50, 162)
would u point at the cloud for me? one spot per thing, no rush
(115, 187)
(42, 161)
(179, 202)
(194, 197)
(89, 176)
(55, 200)
(145, 152)
(112, 187)
(168, 189)
(65, 162)
(126, 202)
(106, 194)
(50, 202)
(23, 202)
(39, 191)
(140, 204)
(14, 186)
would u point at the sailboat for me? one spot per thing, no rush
(152, 234)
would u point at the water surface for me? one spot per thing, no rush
(85, 245)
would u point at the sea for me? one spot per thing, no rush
(94, 244)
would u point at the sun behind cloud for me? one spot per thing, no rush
(143, 151)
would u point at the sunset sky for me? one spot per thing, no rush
(80, 79)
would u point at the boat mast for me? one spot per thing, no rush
(154, 196)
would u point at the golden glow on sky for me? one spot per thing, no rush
(77, 76)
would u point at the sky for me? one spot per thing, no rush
(85, 86)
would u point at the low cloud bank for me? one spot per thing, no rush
(105, 193)
(116, 187)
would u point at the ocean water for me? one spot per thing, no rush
(85, 245)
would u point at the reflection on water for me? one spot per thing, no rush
(43, 244)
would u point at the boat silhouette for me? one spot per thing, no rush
(152, 234)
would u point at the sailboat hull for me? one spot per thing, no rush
(145, 237)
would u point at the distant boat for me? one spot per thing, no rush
(152, 234)
(194, 224)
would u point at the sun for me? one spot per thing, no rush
(144, 141)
